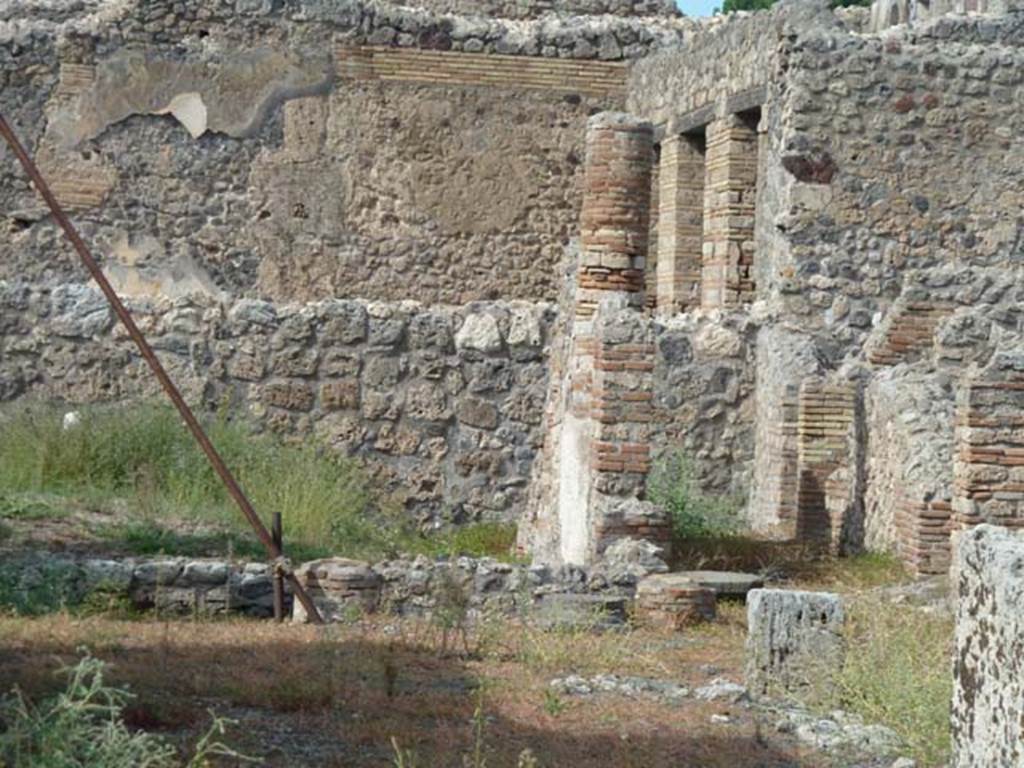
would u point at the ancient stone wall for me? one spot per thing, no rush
(891, 149)
(525, 9)
(443, 404)
(874, 174)
(989, 465)
(733, 62)
(334, 149)
(909, 460)
(704, 375)
(926, 353)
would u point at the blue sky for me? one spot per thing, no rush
(697, 7)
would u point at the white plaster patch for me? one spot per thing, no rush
(573, 490)
(189, 110)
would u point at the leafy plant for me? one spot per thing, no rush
(83, 726)
(554, 705)
(673, 485)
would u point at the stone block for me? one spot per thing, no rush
(569, 610)
(988, 666)
(291, 396)
(725, 583)
(335, 395)
(795, 643)
(479, 332)
(477, 413)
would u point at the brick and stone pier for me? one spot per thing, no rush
(600, 408)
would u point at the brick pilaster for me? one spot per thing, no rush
(598, 446)
(826, 424)
(730, 188)
(988, 467)
(680, 223)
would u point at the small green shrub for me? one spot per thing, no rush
(898, 672)
(673, 485)
(83, 726)
(488, 539)
(554, 704)
(29, 507)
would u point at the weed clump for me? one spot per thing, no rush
(84, 726)
(673, 485)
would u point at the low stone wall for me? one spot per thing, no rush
(988, 698)
(341, 588)
(704, 372)
(525, 9)
(168, 584)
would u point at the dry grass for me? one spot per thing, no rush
(333, 697)
(899, 672)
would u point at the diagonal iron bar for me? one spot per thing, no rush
(161, 374)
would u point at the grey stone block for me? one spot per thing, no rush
(794, 643)
(988, 669)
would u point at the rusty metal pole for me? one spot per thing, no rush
(277, 532)
(158, 370)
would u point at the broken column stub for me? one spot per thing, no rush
(337, 586)
(671, 601)
(795, 643)
(988, 663)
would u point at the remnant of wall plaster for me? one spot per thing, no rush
(190, 111)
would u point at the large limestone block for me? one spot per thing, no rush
(988, 669)
(795, 643)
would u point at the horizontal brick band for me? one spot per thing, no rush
(414, 65)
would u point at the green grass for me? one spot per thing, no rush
(898, 672)
(142, 455)
(30, 506)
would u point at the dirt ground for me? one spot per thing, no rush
(357, 694)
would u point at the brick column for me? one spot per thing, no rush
(615, 211)
(730, 187)
(680, 223)
(988, 466)
(923, 527)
